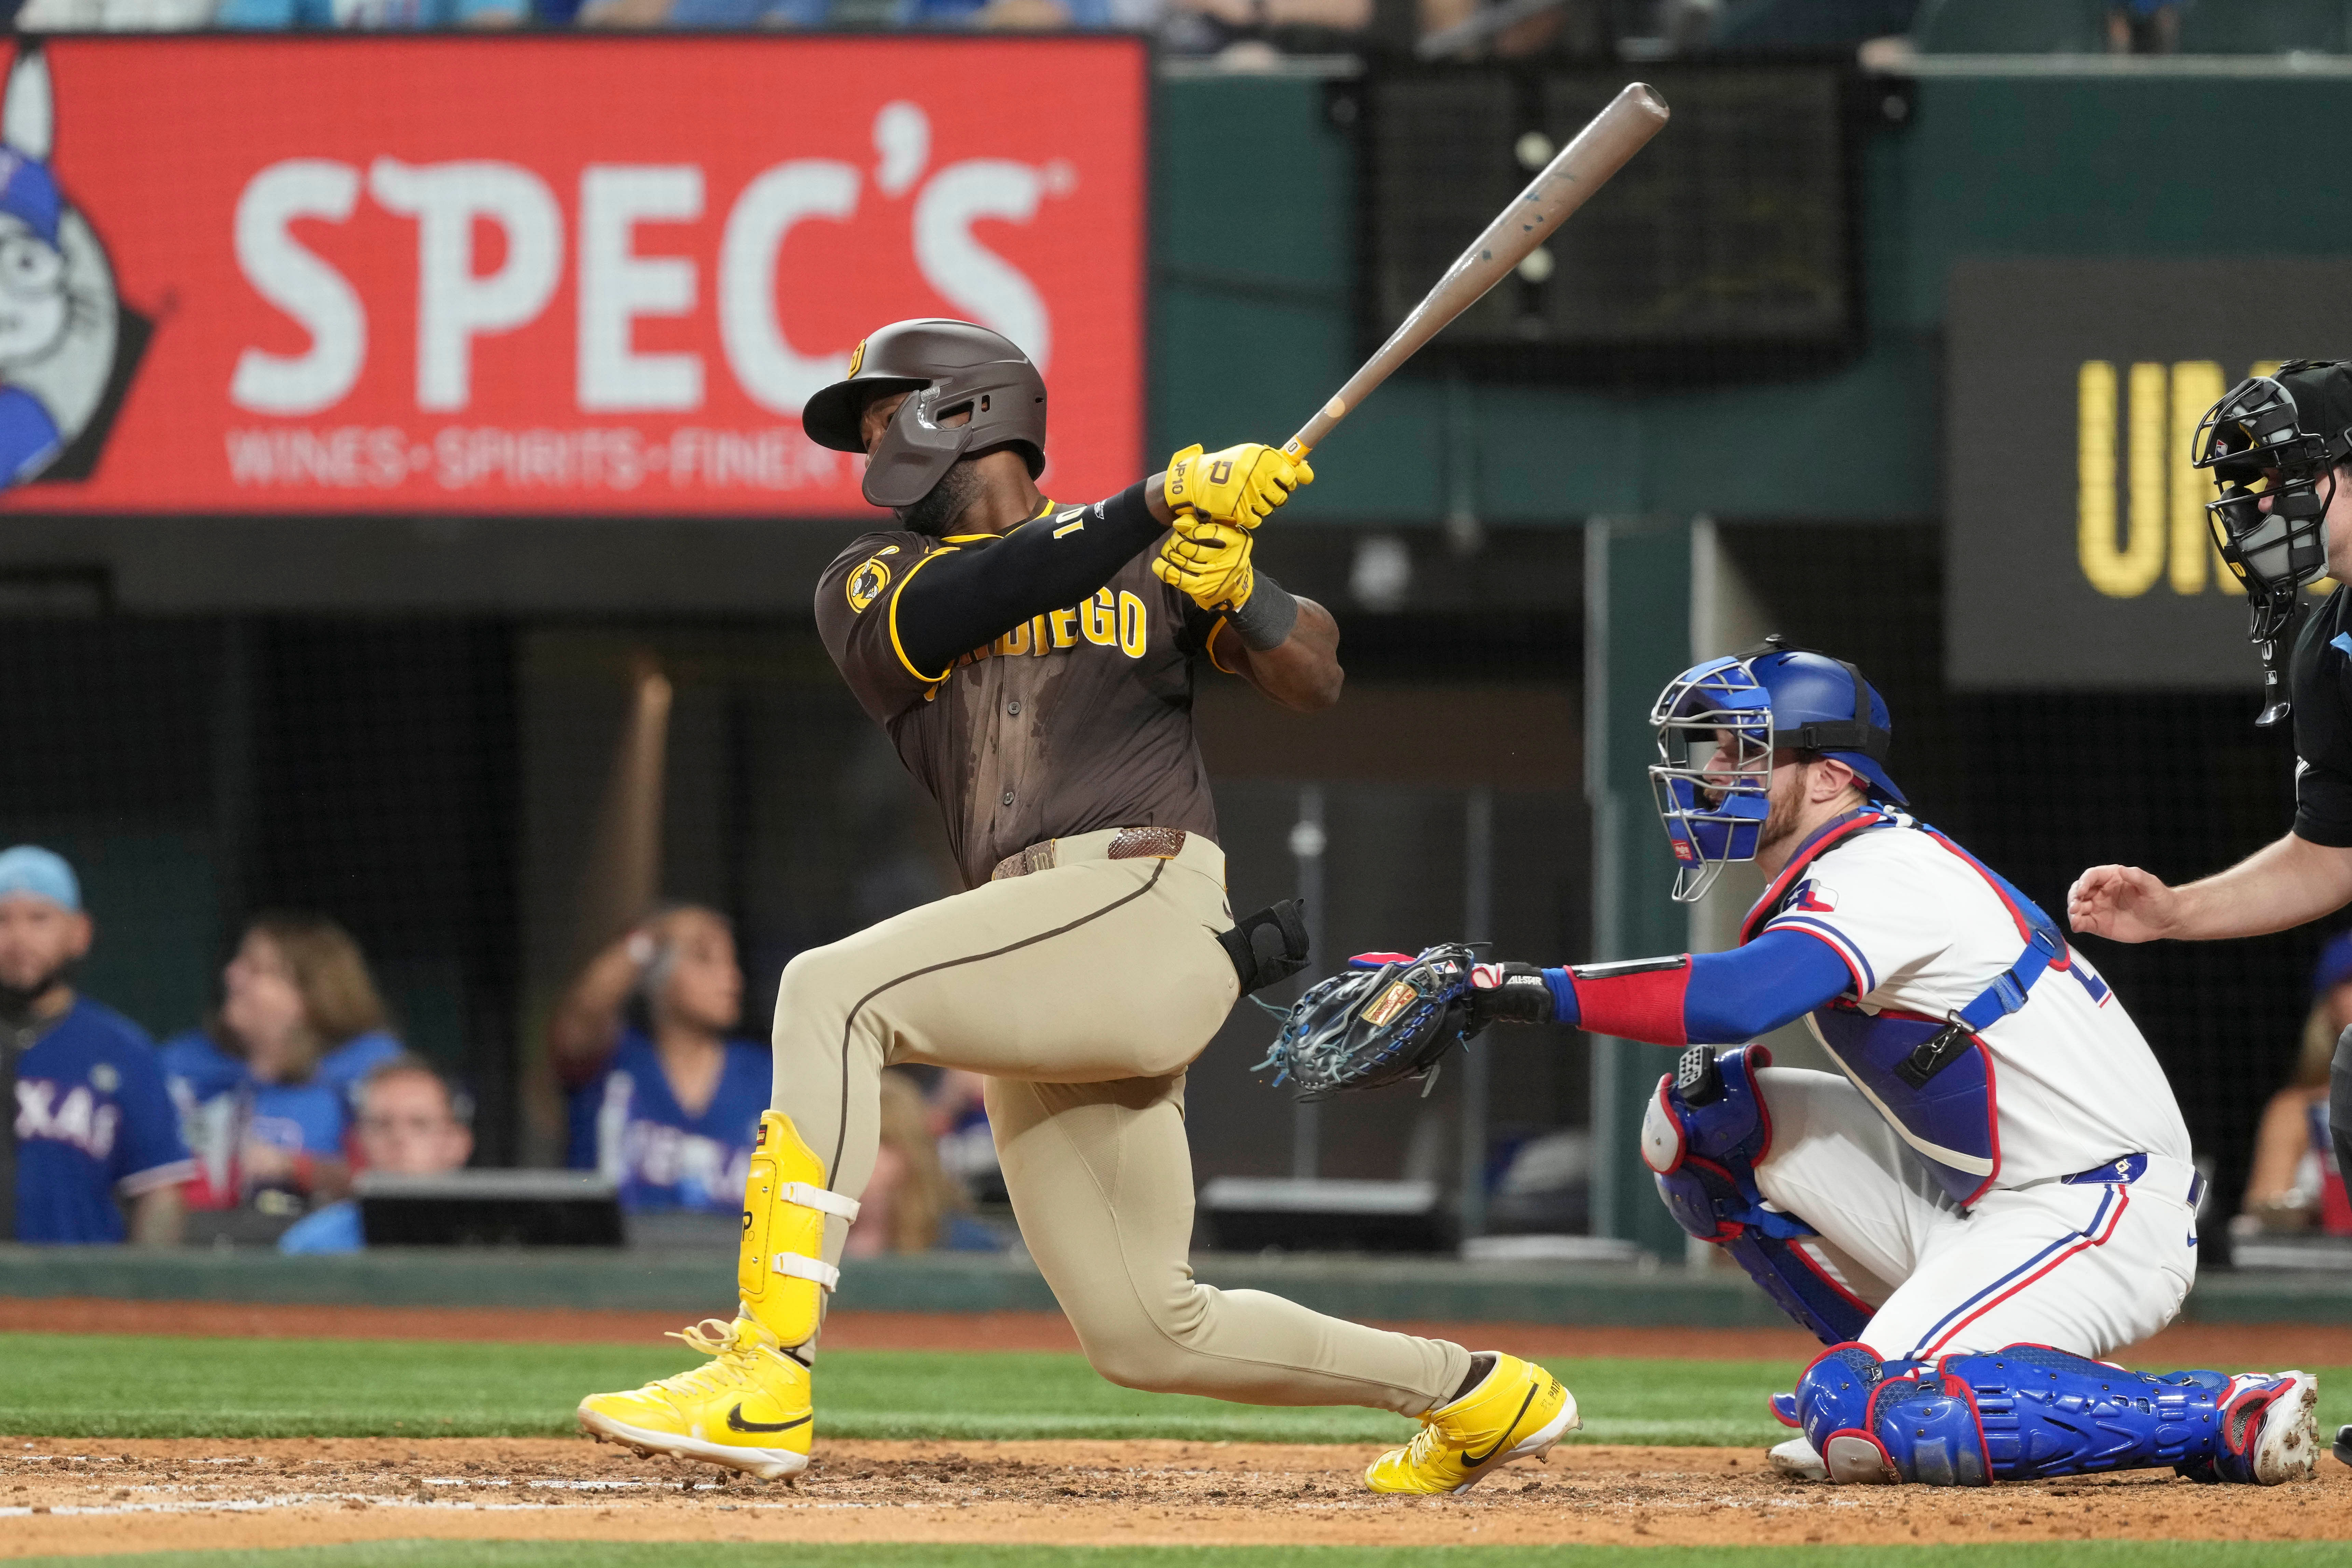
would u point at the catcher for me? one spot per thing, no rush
(1995, 1189)
(1034, 664)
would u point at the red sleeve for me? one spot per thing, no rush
(1637, 1001)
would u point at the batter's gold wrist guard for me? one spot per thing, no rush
(782, 1274)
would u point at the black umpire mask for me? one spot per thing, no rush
(2272, 445)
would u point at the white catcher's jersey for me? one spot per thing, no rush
(2063, 1084)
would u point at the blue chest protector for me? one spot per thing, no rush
(1932, 1076)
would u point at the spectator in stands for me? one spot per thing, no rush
(409, 1125)
(264, 1092)
(663, 1100)
(1580, 27)
(958, 1108)
(2143, 27)
(113, 15)
(88, 1130)
(2295, 1184)
(1005, 15)
(388, 15)
(910, 1204)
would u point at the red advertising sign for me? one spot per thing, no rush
(542, 275)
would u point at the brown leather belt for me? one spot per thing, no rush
(1132, 844)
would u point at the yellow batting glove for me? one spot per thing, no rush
(1240, 485)
(1209, 562)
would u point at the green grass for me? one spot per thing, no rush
(74, 1385)
(581, 1554)
(89, 1386)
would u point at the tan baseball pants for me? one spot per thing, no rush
(1083, 992)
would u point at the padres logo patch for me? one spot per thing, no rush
(865, 584)
(856, 356)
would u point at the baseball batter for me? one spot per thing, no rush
(1995, 1188)
(1032, 663)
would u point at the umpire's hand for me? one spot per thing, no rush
(2122, 904)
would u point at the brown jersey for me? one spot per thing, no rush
(1080, 719)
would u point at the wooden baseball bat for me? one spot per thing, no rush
(1599, 150)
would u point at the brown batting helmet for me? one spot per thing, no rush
(952, 367)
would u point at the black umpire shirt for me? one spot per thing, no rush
(2319, 677)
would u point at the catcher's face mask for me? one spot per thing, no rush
(1713, 778)
(2276, 481)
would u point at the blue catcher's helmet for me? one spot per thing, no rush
(1718, 724)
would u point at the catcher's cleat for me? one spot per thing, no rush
(2272, 1430)
(1796, 1458)
(748, 1408)
(1518, 1411)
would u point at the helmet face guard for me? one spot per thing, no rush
(916, 451)
(1713, 778)
(2253, 443)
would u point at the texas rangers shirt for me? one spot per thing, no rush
(2063, 1084)
(628, 1124)
(93, 1124)
(221, 1106)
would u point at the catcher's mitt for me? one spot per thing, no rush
(1371, 1026)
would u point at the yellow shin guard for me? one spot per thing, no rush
(782, 1275)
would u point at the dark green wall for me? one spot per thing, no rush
(1255, 230)
(1255, 224)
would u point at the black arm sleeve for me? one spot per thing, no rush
(968, 597)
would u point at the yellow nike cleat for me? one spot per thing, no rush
(748, 1408)
(1518, 1411)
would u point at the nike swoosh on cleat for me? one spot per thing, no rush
(735, 1422)
(1475, 1460)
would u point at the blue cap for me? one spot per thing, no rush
(2335, 965)
(29, 192)
(27, 868)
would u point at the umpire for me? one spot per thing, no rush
(2280, 449)
(1032, 663)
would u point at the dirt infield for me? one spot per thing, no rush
(2235, 1346)
(123, 1495)
(91, 1495)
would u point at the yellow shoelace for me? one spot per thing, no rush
(732, 1363)
(1424, 1443)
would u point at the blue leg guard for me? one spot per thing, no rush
(2025, 1413)
(1706, 1129)
(1835, 1400)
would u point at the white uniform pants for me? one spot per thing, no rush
(2088, 1267)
